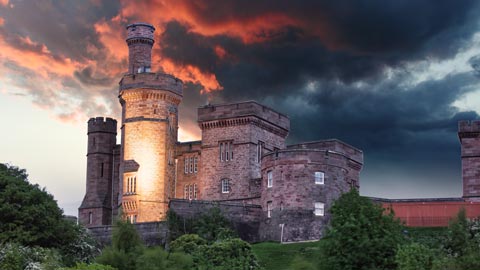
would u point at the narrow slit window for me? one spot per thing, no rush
(191, 164)
(269, 209)
(195, 164)
(194, 191)
(186, 164)
(269, 179)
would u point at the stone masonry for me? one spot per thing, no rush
(270, 191)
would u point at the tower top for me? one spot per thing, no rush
(143, 31)
(102, 125)
(140, 42)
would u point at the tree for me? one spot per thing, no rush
(125, 249)
(28, 214)
(361, 235)
(459, 239)
(414, 256)
(230, 254)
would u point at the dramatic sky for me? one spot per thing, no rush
(389, 77)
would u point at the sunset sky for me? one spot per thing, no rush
(389, 77)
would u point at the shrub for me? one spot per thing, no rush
(414, 256)
(187, 243)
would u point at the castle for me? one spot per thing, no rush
(270, 190)
(241, 159)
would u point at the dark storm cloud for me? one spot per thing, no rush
(65, 27)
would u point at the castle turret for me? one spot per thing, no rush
(469, 135)
(140, 41)
(149, 131)
(96, 208)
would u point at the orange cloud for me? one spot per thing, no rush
(4, 3)
(2, 21)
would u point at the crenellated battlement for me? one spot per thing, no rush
(241, 113)
(148, 80)
(101, 124)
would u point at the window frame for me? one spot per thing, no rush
(225, 186)
(319, 209)
(321, 177)
(269, 209)
(269, 179)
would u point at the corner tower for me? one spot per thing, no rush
(469, 135)
(96, 208)
(149, 131)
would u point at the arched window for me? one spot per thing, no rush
(225, 185)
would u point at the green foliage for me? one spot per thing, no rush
(280, 256)
(360, 236)
(29, 215)
(414, 256)
(126, 247)
(211, 225)
(459, 240)
(82, 249)
(93, 266)
(158, 259)
(15, 256)
(187, 243)
(431, 237)
(125, 237)
(228, 254)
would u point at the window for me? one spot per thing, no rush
(194, 191)
(191, 164)
(225, 186)
(319, 178)
(131, 185)
(226, 151)
(185, 192)
(319, 209)
(190, 192)
(90, 217)
(269, 179)
(101, 170)
(269, 209)
(195, 164)
(260, 147)
(134, 219)
(186, 164)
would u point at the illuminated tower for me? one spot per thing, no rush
(149, 131)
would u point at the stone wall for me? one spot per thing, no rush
(152, 233)
(245, 218)
(188, 183)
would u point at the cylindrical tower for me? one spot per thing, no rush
(140, 41)
(149, 131)
(96, 208)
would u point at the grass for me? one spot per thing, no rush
(276, 256)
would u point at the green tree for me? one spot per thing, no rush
(188, 243)
(28, 214)
(125, 249)
(459, 239)
(93, 266)
(213, 226)
(157, 259)
(361, 235)
(414, 256)
(233, 254)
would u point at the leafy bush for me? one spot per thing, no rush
(158, 259)
(414, 256)
(361, 236)
(227, 254)
(82, 249)
(187, 243)
(93, 266)
(15, 256)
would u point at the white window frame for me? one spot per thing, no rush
(269, 209)
(185, 160)
(195, 164)
(185, 191)
(190, 191)
(191, 164)
(269, 179)
(225, 185)
(319, 209)
(260, 146)
(221, 151)
(319, 178)
(90, 217)
(194, 191)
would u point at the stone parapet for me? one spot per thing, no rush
(101, 124)
(148, 80)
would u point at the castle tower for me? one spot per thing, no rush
(149, 131)
(469, 135)
(96, 208)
